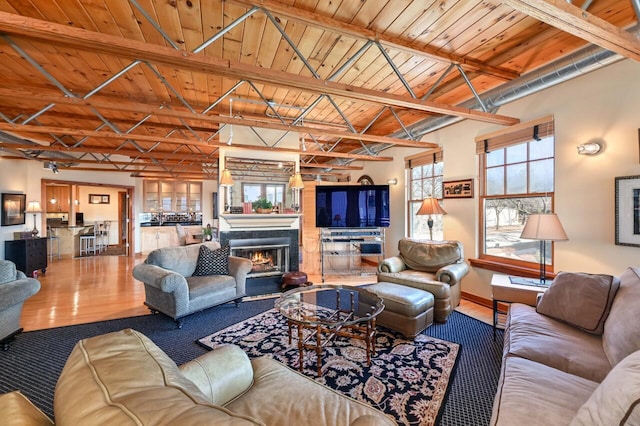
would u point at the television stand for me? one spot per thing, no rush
(349, 251)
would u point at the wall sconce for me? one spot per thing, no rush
(393, 181)
(589, 148)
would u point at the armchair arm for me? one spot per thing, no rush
(222, 374)
(239, 267)
(452, 274)
(20, 275)
(17, 291)
(392, 264)
(163, 279)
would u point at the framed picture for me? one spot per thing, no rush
(458, 189)
(98, 199)
(628, 211)
(13, 206)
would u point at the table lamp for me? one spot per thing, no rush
(226, 181)
(543, 227)
(34, 207)
(430, 206)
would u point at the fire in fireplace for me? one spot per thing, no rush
(268, 259)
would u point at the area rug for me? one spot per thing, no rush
(407, 379)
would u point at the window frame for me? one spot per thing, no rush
(499, 263)
(431, 158)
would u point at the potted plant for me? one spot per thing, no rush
(207, 233)
(262, 205)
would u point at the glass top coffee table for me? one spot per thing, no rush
(320, 313)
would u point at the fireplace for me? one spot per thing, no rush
(273, 253)
(269, 256)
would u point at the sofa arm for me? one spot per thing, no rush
(163, 279)
(452, 274)
(239, 267)
(15, 292)
(222, 374)
(392, 264)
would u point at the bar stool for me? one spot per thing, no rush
(88, 240)
(51, 236)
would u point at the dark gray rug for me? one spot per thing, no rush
(35, 359)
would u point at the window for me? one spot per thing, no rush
(272, 192)
(517, 179)
(425, 180)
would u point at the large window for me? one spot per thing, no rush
(517, 176)
(272, 192)
(425, 175)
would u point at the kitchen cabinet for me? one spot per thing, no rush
(58, 198)
(170, 196)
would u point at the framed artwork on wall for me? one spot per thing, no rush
(99, 199)
(458, 189)
(13, 206)
(628, 211)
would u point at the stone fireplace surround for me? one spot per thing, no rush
(264, 285)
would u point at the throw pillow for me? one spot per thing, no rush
(582, 300)
(621, 334)
(616, 400)
(212, 262)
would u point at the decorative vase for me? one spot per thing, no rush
(208, 237)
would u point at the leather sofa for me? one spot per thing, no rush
(15, 288)
(433, 266)
(171, 288)
(123, 378)
(577, 364)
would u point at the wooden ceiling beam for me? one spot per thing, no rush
(580, 23)
(77, 38)
(350, 30)
(329, 166)
(144, 109)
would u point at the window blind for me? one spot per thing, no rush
(429, 157)
(517, 134)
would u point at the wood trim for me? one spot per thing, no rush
(487, 303)
(504, 268)
(78, 38)
(573, 20)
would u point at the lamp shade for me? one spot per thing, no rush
(544, 227)
(33, 207)
(296, 181)
(226, 179)
(430, 206)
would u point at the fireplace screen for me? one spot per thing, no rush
(266, 259)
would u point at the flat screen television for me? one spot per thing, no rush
(352, 206)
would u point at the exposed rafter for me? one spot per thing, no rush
(573, 20)
(336, 26)
(103, 43)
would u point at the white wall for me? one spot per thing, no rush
(599, 105)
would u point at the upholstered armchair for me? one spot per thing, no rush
(15, 288)
(434, 266)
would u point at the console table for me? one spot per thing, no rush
(503, 290)
(29, 255)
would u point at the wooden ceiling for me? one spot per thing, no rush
(144, 86)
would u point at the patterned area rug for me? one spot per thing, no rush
(407, 379)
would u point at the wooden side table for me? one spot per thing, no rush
(503, 290)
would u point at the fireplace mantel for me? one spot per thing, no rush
(259, 221)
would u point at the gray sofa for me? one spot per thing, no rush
(433, 266)
(171, 288)
(577, 364)
(15, 288)
(123, 378)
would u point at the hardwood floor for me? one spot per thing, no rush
(98, 288)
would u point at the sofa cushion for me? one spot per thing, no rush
(213, 262)
(616, 401)
(621, 335)
(580, 299)
(547, 341)
(427, 255)
(533, 394)
(124, 378)
(182, 259)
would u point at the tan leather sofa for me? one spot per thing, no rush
(583, 369)
(123, 378)
(434, 266)
(171, 288)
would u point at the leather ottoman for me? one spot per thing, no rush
(295, 279)
(407, 309)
